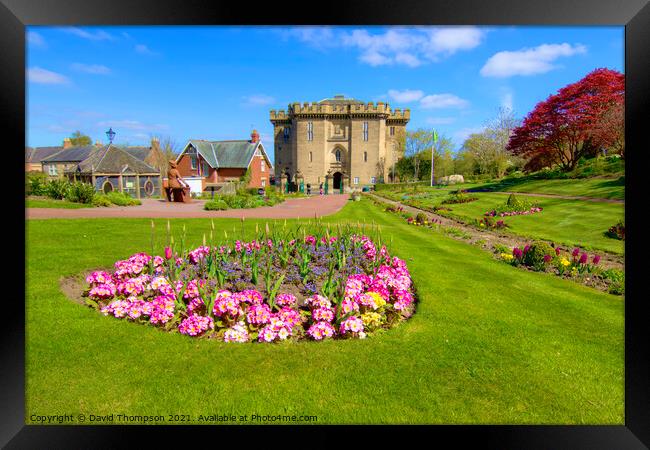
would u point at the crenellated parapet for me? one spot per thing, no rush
(381, 109)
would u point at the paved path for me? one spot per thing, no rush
(290, 209)
(565, 197)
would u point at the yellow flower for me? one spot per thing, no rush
(482, 224)
(371, 319)
(507, 256)
(565, 262)
(379, 300)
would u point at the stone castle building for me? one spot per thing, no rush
(342, 140)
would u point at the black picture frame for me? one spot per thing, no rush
(633, 14)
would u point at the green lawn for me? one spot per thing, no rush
(609, 188)
(51, 203)
(489, 343)
(568, 222)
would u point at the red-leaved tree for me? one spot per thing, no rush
(579, 120)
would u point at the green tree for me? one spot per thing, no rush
(78, 139)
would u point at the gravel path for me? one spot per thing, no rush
(152, 208)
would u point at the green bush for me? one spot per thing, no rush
(617, 280)
(58, 189)
(35, 183)
(215, 205)
(534, 257)
(80, 192)
(421, 218)
(101, 200)
(122, 199)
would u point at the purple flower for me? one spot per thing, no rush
(576, 252)
(526, 248)
(557, 251)
(583, 258)
(596, 259)
(547, 259)
(168, 252)
(517, 253)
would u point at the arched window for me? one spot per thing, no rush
(338, 155)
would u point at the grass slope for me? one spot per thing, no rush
(489, 343)
(608, 188)
(568, 222)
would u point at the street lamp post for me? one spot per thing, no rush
(110, 134)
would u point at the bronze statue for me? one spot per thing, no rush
(176, 185)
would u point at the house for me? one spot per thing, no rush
(68, 156)
(56, 164)
(34, 156)
(211, 164)
(111, 168)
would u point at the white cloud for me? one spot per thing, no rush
(449, 40)
(95, 69)
(42, 76)
(258, 100)
(133, 125)
(405, 96)
(98, 35)
(439, 120)
(442, 101)
(528, 61)
(407, 59)
(144, 50)
(315, 36)
(36, 40)
(411, 47)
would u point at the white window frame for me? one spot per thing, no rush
(337, 155)
(263, 165)
(356, 180)
(365, 131)
(310, 131)
(194, 160)
(51, 170)
(373, 180)
(263, 183)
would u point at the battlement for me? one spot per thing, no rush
(297, 109)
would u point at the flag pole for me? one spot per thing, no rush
(435, 140)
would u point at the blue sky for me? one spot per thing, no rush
(219, 82)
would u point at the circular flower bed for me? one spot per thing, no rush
(267, 290)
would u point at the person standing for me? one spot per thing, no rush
(321, 189)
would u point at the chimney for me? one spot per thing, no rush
(255, 137)
(67, 143)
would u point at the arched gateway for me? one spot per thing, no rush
(337, 177)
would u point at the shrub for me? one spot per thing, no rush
(35, 183)
(101, 200)
(215, 205)
(122, 199)
(538, 255)
(617, 231)
(420, 218)
(459, 196)
(80, 192)
(514, 206)
(617, 281)
(58, 189)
